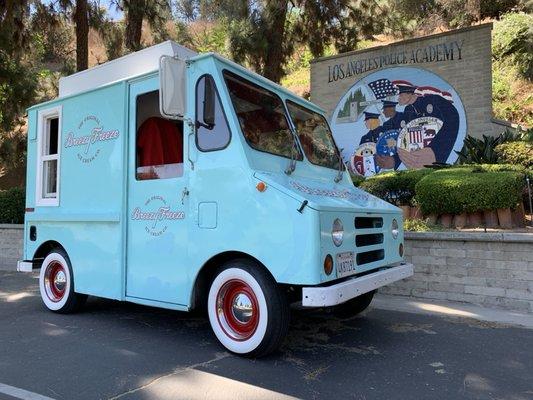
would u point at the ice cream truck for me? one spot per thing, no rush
(184, 181)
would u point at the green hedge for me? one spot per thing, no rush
(12, 205)
(395, 187)
(469, 189)
(517, 153)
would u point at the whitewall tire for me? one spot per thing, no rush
(247, 311)
(56, 284)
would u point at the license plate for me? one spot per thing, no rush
(345, 264)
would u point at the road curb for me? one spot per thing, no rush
(451, 309)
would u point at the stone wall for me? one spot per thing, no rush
(487, 269)
(11, 241)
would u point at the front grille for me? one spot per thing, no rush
(370, 256)
(368, 239)
(368, 222)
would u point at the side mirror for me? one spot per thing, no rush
(209, 102)
(172, 87)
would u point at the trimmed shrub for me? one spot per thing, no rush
(517, 153)
(468, 189)
(12, 205)
(395, 187)
(357, 179)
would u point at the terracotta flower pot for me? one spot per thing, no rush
(491, 218)
(519, 216)
(432, 218)
(460, 220)
(416, 213)
(446, 220)
(406, 212)
(505, 218)
(475, 219)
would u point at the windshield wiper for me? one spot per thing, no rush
(294, 149)
(338, 177)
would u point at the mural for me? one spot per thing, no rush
(399, 118)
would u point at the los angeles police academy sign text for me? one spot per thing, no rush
(441, 52)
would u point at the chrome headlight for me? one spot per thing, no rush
(337, 233)
(394, 229)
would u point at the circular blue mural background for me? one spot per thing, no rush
(433, 119)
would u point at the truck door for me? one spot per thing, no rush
(157, 199)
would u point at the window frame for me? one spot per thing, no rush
(174, 121)
(42, 123)
(294, 103)
(301, 154)
(196, 114)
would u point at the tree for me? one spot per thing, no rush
(155, 12)
(268, 36)
(81, 20)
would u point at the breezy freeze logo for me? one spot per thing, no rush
(158, 217)
(87, 142)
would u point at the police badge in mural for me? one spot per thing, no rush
(399, 118)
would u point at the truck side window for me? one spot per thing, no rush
(159, 142)
(49, 138)
(212, 131)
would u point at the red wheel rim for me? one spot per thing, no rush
(55, 281)
(237, 310)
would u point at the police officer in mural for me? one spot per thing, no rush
(374, 128)
(395, 118)
(429, 105)
(395, 121)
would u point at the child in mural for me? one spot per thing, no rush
(428, 105)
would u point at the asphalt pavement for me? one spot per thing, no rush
(114, 350)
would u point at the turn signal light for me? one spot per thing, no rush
(328, 265)
(261, 186)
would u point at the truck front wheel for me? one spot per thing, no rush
(354, 306)
(248, 312)
(56, 284)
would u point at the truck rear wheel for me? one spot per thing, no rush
(248, 312)
(354, 306)
(56, 284)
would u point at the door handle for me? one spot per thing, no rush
(184, 193)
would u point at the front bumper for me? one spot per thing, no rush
(24, 266)
(341, 292)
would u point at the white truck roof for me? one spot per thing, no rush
(126, 67)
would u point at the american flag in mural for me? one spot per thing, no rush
(423, 90)
(383, 88)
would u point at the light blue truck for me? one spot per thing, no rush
(184, 181)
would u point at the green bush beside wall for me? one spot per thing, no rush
(517, 153)
(395, 187)
(12, 205)
(469, 189)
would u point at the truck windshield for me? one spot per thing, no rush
(315, 136)
(262, 117)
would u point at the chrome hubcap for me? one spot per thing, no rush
(242, 308)
(237, 309)
(60, 281)
(55, 281)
